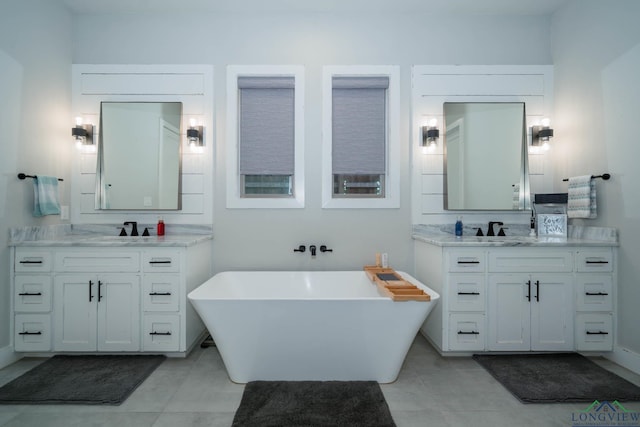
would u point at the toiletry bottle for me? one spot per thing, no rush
(459, 227)
(532, 232)
(160, 227)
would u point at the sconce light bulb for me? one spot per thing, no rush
(545, 146)
(192, 122)
(545, 122)
(433, 122)
(78, 121)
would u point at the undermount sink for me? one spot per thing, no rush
(125, 238)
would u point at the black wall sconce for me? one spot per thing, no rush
(430, 134)
(82, 133)
(540, 135)
(194, 135)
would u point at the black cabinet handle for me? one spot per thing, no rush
(468, 293)
(537, 290)
(159, 333)
(597, 262)
(596, 293)
(160, 293)
(99, 291)
(29, 294)
(30, 262)
(468, 333)
(468, 262)
(597, 333)
(160, 262)
(529, 290)
(90, 294)
(29, 333)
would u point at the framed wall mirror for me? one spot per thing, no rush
(485, 156)
(139, 156)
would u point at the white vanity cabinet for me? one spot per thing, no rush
(32, 299)
(518, 298)
(530, 299)
(108, 299)
(594, 299)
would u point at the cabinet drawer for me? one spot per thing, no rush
(467, 261)
(161, 261)
(466, 292)
(531, 261)
(466, 332)
(161, 332)
(102, 261)
(32, 332)
(594, 332)
(160, 292)
(32, 293)
(594, 260)
(593, 292)
(32, 261)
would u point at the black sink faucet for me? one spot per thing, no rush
(134, 227)
(490, 231)
(312, 248)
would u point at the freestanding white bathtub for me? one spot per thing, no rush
(321, 325)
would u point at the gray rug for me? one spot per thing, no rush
(562, 377)
(313, 403)
(88, 380)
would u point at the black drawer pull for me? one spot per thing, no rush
(30, 262)
(160, 262)
(29, 333)
(597, 262)
(159, 333)
(597, 333)
(160, 293)
(468, 333)
(30, 294)
(596, 293)
(468, 293)
(468, 262)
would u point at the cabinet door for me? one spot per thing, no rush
(551, 312)
(509, 312)
(118, 298)
(75, 298)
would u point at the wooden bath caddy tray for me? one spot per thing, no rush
(392, 284)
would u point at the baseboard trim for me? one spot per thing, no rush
(626, 358)
(8, 356)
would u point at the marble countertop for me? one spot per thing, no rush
(103, 236)
(576, 236)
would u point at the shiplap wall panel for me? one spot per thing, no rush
(432, 86)
(190, 84)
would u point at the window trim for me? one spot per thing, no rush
(234, 198)
(391, 200)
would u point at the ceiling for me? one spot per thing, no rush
(467, 7)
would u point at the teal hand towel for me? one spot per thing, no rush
(45, 191)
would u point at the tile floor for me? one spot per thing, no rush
(195, 391)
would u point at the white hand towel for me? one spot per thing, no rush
(516, 196)
(45, 191)
(582, 197)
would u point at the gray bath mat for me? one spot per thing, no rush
(88, 380)
(313, 403)
(561, 377)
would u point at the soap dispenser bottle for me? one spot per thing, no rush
(160, 227)
(458, 227)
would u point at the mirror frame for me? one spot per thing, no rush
(524, 196)
(100, 198)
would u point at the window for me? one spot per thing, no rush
(265, 131)
(360, 128)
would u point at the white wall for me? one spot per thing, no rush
(596, 53)
(35, 89)
(264, 239)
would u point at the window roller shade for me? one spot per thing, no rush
(359, 125)
(266, 125)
